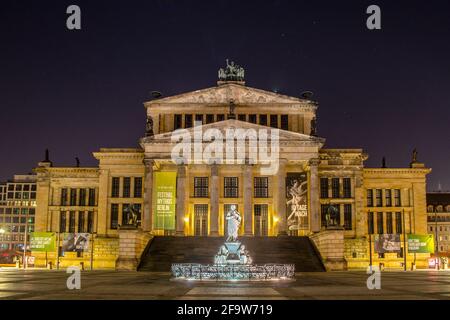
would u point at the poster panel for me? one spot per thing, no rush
(42, 241)
(421, 243)
(75, 242)
(387, 243)
(297, 200)
(164, 197)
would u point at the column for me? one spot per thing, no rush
(281, 198)
(248, 212)
(181, 199)
(214, 198)
(314, 195)
(147, 219)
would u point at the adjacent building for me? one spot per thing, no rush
(438, 208)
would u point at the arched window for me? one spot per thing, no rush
(440, 208)
(430, 208)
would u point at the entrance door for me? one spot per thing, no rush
(261, 218)
(201, 220)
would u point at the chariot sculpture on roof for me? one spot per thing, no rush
(232, 72)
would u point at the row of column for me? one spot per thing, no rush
(279, 201)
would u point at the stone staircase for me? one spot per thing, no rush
(164, 251)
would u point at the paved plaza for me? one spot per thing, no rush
(36, 285)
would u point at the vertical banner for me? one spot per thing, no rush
(421, 243)
(164, 199)
(42, 241)
(387, 243)
(297, 200)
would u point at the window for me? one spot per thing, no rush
(82, 198)
(138, 187)
(347, 216)
(370, 198)
(389, 229)
(90, 222)
(64, 197)
(177, 121)
(199, 118)
(347, 185)
(261, 187)
(252, 118)
(126, 187)
(370, 223)
(72, 222)
(263, 119)
(397, 199)
(378, 196)
(125, 208)
(114, 215)
(388, 197)
(324, 188)
(220, 117)
(91, 197)
(274, 121)
(33, 187)
(380, 229)
(231, 187)
(242, 117)
(323, 214)
(209, 118)
(188, 120)
(81, 221)
(18, 187)
(115, 186)
(260, 223)
(73, 197)
(201, 187)
(284, 122)
(335, 187)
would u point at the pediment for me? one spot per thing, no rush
(225, 93)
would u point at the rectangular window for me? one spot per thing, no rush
(370, 223)
(261, 187)
(91, 197)
(380, 229)
(220, 117)
(138, 187)
(260, 223)
(81, 221)
(90, 222)
(114, 215)
(370, 198)
(115, 186)
(388, 197)
(263, 119)
(201, 219)
(201, 187)
(323, 214)
(209, 118)
(231, 187)
(335, 187)
(347, 186)
(252, 118)
(82, 198)
(398, 223)
(397, 199)
(199, 118)
(72, 222)
(284, 122)
(379, 197)
(274, 120)
(347, 216)
(64, 197)
(125, 208)
(389, 223)
(126, 187)
(177, 121)
(324, 188)
(188, 120)
(242, 117)
(73, 197)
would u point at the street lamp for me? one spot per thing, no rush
(2, 231)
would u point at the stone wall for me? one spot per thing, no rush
(132, 244)
(330, 244)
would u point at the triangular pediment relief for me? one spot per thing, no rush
(225, 93)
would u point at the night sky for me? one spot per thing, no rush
(386, 91)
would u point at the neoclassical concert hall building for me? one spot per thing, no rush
(325, 194)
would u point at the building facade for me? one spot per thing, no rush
(438, 208)
(233, 144)
(17, 211)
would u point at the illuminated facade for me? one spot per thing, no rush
(293, 201)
